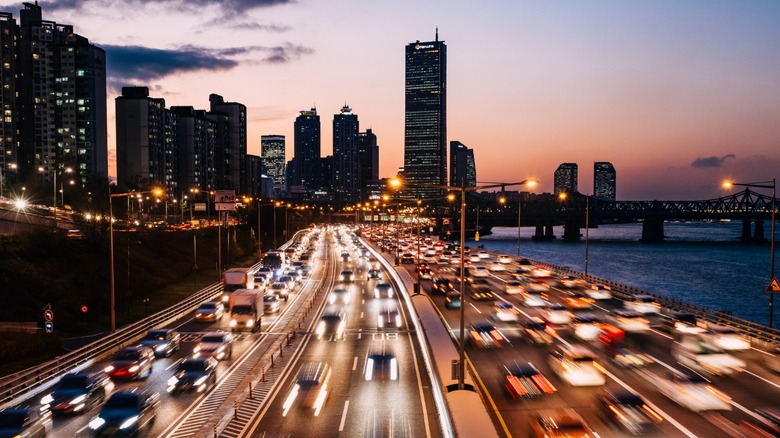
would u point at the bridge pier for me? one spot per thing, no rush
(571, 231)
(652, 230)
(758, 231)
(746, 235)
(544, 231)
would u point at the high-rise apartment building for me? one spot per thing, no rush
(8, 101)
(231, 144)
(272, 150)
(369, 162)
(196, 138)
(565, 178)
(60, 109)
(305, 175)
(146, 147)
(346, 156)
(463, 169)
(604, 180)
(425, 133)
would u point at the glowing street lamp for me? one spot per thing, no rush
(502, 200)
(772, 280)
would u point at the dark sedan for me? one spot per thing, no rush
(628, 411)
(163, 341)
(131, 363)
(194, 375)
(77, 393)
(126, 413)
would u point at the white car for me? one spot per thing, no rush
(693, 392)
(533, 298)
(725, 338)
(474, 258)
(557, 314)
(577, 366)
(630, 320)
(504, 260)
(599, 292)
(339, 295)
(483, 254)
(695, 353)
(586, 326)
(643, 304)
(496, 267)
(478, 271)
(218, 345)
(505, 312)
(513, 287)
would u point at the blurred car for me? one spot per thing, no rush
(381, 362)
(483, 254)
(532, 298)
(599, 292)
(523, 380)
(333, 323)
(442, 284)
(288, 281)
(296, 277)
(163, 341)
(629, 320)
(480, 294)
(577, 301)
(474, 258)
(513, 287)
(424, 272)
(218, 345)
(452, 300)
(504, 260)
(310, 389)
(697, 354)
(577, 366)
(536, 332)
(25, 421)
(126, 413)
(210, 311)
(483, 334)
(540, 272)
(496, 267)
(280, 289)
(505, 312)
(692, 391)
(389, 317)
(347, 276)
(131, 363)
(271, 303)
(678, 323)
(407, 258)
(374, 274)
(613, 339)
(339, 295)
(557, 314)
(725, 338)
(537, 285)
(628, 411)
(194, 374)
(586, 326)
(478, 271)
(643, 304)
(77, 393)
(383, 290)
(571, 282)
(559, 423)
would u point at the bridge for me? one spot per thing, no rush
(546, 211)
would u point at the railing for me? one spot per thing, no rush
(27, 383)
(769, 337)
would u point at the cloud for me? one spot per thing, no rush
(709, 162)
(227, 6)
(132, 64)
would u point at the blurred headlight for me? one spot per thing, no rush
(129, 422)
(133, 368)
(47, 399)
(96, 422)
(78, 399)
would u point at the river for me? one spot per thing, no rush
(700, 262)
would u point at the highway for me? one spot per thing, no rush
(512, 416)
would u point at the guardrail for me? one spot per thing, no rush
(20, 386)
(769, 337)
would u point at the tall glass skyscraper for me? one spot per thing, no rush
(604, 180)
(346, 156)
(463, 169)
(307, 152)
(565, 178)
(272, 152)
(425, 144)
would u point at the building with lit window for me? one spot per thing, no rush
(304, 174)
(272, 150)
(463, 170)
(565, 178)
(346, 156)
(369, 162)
(604, 180)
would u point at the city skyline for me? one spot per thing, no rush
(678, 96)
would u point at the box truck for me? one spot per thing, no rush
(246, 309)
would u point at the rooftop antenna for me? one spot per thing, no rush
(437, 33)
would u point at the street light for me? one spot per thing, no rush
(530, 183)
(773, 186)
(54, 188)
(111, 196)
(397, 183)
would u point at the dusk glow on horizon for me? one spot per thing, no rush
(678, 95)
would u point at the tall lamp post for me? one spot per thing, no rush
(54, 188)
(397, 183)
(502, 200)
(111, 196)
(773, 186)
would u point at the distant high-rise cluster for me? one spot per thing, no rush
(272, 151)
(425, 133)
(604, 180)
(53, 98)
(565, 178)
(463, 169)
(181, 148)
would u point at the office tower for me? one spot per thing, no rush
(604, 182)
(231, 144)
(196, 137)
(8, 138)
(145, 143)
(306, 152)
(260, 186)
(463, 170)
(61, 101)
(565, 179)
(425, 134)
(346, 156)
(369, 162)
(272, 149)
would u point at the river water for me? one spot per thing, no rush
(700, 262)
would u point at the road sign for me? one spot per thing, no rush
(225, 196)
(48, 315)
(48, 326)
(774, 286)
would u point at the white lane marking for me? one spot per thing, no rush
(175, 363)
(354, 363)
(475, 308)
(666, 416)
(765, 380)
(361, 315)
(344, 416)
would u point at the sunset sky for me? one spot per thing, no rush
(678, 95)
